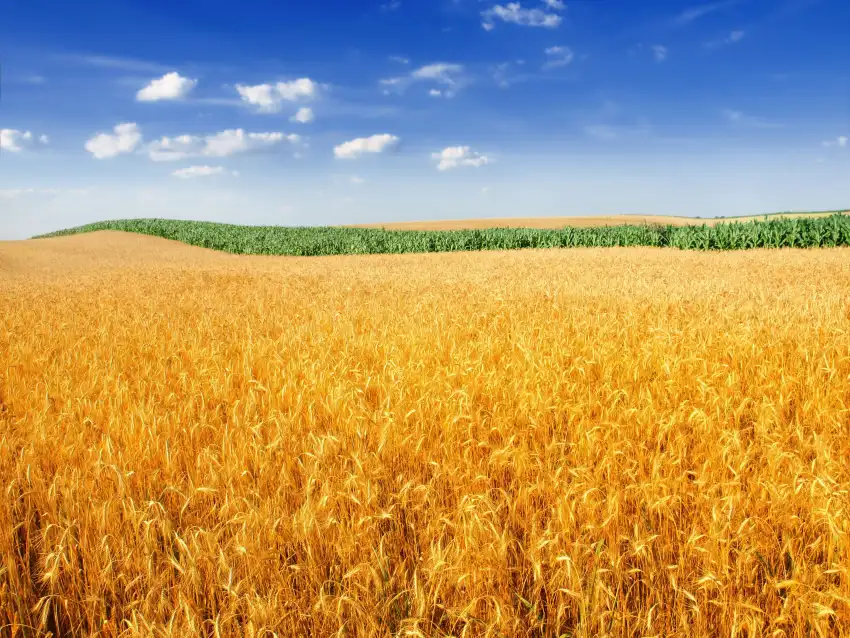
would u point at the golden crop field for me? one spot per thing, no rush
(585, 442)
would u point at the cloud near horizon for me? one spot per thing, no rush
(191, 172)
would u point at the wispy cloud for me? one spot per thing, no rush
(601, 131)
(660, 52)
(449, 75)
(731, 38)
(840, 142)
(14, 193)
(507, 74)
(118, 63)
(741, 119)
(200, 171)
(440, 72)
(612, 132)
(558, 56)
(688, 16)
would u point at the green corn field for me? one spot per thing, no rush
(815, 232)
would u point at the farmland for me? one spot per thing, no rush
(626, 441)
(583, 221)
(776, 232)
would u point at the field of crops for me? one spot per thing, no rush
(803, 232)
(588, 442)
(583, 221)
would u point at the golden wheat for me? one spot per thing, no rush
(589, 442)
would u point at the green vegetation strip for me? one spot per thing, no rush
(804, 232)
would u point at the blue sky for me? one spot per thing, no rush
(303, 113)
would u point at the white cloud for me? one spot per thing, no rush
(269, 97)
(558, 56)
(660, 52)
(223, 144)
(303, 116)
(842, 141)
(171, 86)
(169, 149)
(455, 156)
(555, 5)
(234, 141)
(262, 96)
(15, 141)
(373, 144)
(126, 138)
(514, 13)
(297, 89)
(198, 171)
(440, 72)
(435, 93)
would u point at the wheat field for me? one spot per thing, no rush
(585, 442)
